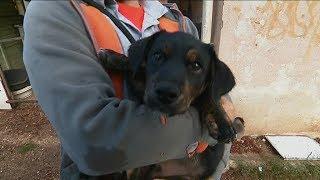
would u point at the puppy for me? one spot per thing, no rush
(170, 72)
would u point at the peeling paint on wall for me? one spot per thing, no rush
(273, 48)
(277, 19)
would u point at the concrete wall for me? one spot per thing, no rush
(273, 49)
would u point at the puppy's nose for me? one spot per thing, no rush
(167, 95)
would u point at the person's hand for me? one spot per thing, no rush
(237, 122)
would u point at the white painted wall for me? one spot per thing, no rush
(273, 48)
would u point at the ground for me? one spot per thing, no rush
(254, 158)
(29, 149)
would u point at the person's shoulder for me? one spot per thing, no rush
(51, 9)
(176, 15)
(53, 13)
(173, 12)
(46, 6)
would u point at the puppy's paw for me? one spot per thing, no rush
(212, 126)
(226, 134)
(112, 60)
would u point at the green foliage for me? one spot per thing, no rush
(27, 147)
(276, 168)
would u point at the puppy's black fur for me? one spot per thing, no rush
(170, 72)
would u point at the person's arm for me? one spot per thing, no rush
(100, 133)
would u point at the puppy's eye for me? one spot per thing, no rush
(196, 66)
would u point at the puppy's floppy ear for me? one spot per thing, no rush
(222, 79)
(138, 53)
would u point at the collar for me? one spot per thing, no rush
(153, 11)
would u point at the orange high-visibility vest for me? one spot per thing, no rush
(104, 36)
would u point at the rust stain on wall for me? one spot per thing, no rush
(295, 19)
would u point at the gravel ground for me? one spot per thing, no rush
(29, 149)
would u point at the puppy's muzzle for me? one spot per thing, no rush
(167, 94)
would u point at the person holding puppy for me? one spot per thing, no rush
(101, 132)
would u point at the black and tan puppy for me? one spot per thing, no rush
(171, 72)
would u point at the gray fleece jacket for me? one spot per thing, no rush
(99, 133)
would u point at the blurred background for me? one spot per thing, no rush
(272, 47)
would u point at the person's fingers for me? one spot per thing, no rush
(239, 125)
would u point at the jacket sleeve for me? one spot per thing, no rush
(100, 133)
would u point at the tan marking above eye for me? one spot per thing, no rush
(192, 55)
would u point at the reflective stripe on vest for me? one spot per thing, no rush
(104, 36)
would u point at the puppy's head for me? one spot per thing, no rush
(177, 68)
